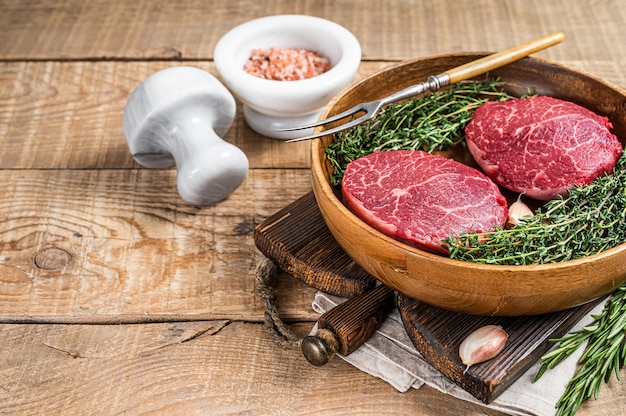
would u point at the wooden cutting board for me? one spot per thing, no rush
(298, 241)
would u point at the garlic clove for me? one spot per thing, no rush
(481, 345)
(518, 211)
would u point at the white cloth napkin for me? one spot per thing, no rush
(390, 355)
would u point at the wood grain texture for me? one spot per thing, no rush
(69, 114)
(437, 336)
(74, 201)
(296, 239)
(207, 367)
(353, 323)
(190, 368)
(180, 30)
(120, 245)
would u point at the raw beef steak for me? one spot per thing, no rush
(541, 146)
(421, 199)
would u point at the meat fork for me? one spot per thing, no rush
(433, 83)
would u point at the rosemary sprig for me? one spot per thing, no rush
(430, 122)
(591, 219)
(604, 354)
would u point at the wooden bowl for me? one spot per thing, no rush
(457, 285)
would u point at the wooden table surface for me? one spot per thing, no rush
(116, 297)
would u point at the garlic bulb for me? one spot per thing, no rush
(481, 345)
(517, 211)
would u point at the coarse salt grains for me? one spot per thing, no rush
(286, 64)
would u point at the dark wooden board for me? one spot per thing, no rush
(298, 241)
(438, 334)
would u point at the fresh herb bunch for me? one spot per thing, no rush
(433, 121)
(591, 219)
(604, 354)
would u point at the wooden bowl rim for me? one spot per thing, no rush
(317, 145)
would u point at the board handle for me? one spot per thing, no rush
(347, 326)
(499, 59)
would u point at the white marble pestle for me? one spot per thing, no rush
(177, 117)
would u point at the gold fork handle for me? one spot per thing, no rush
(499, 59)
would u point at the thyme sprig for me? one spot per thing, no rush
(591, 219)
(430, 122)
(605, 354)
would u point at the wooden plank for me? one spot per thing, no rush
(104, 241)
(121, 246)
(178, 29)
(299, 242)
(206, 367)
(69, 114)
(437, 336)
